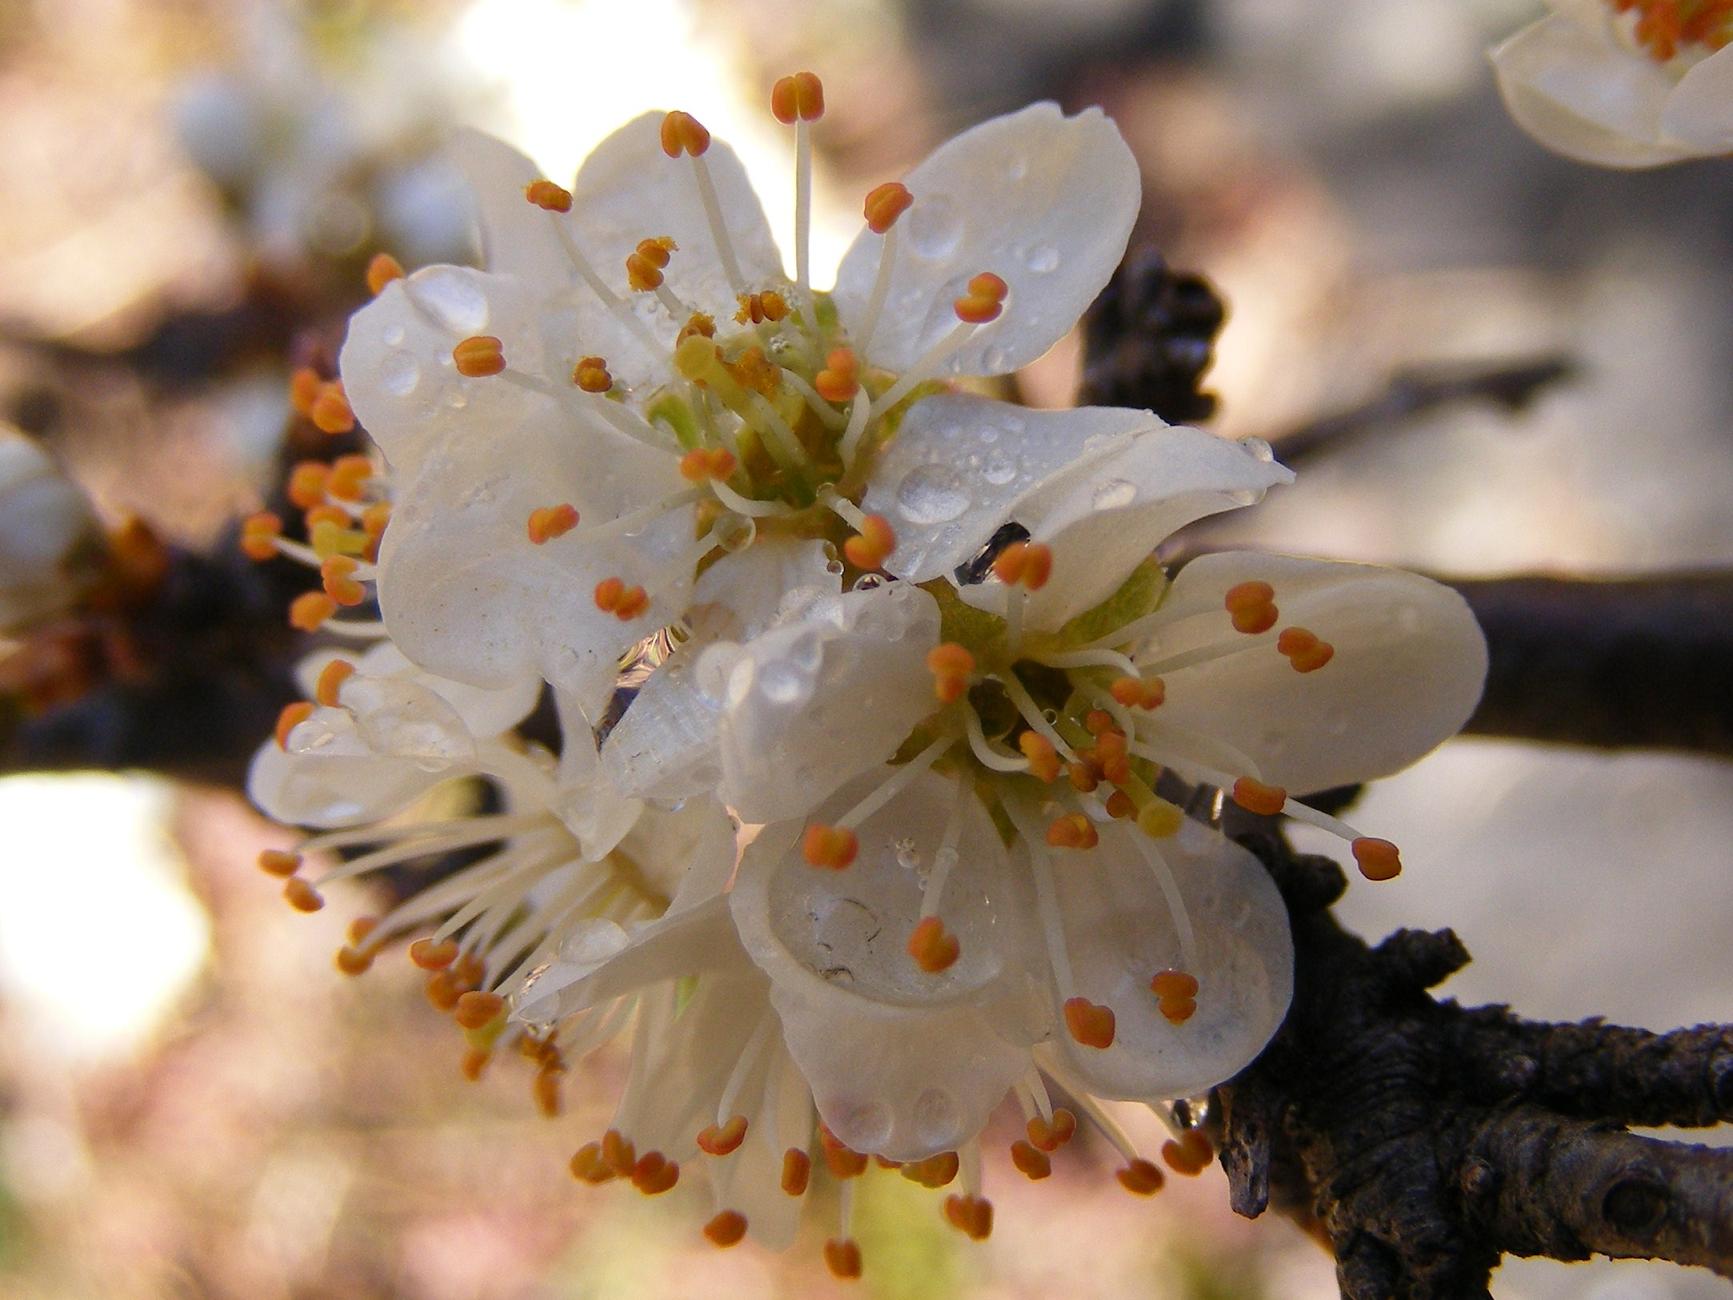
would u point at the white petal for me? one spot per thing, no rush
(901, 1062)
(1582, 94)
(1044, 201)
(397, 368)
(1700, 110)
(483, 712)
(517, 238)
(686, 854)
(1409, 665)
(743, 595)
(343, 782)
(592, 808)
(466, 594)
(1120, 932)
(960, 464)
(814, 702)
(1105, 516)
(628, 190)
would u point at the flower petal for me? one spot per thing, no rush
(1107, 514)
(484, 712)
(1582, 94)
(1407, 671)
(628, 190)
(816, 701)
(1044, 201)
(1120, 931)
(959, 464)
(517, 238)
(1700, 110)
(902, 1062)
(332, 776)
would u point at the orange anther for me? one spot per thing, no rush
(683, 133)
(444, 988)
(338, 576)
(935, 1171)
(548, 196)
(1256, 797)
(1073, 831)
(1172, 983)
(259, 534)
(932, 946)
(1083, 776)
(951, 664)
(1176, 1011)
(799, 98)
(429, 955)
(842, 1258)
(475, 1009)
(479, 356)
(644, 265)
(304, 386)
(1043, 758)
(1378, 859)
(292, 716)
(872, 546)
(829, 846)
(619, 1152)
(381, 271)
(325, 517)
(1141, 1178)
(591, 375)
(470, 969)
(588, 1166)
(840, 378)
(306, 486)
(885, 203)
(1252, 607)
(1190, 1155)
(984, 300)
(302, 896)
(654, 1174)
(548, 522)
(726, 1228)
(1030, 1161)
(841, 1160)
(623, 602)
(1159, 819)
(1028, 563)
(1304, 650)
(331, 679)
(1090, 1023)
(720, 1139)
(755, 308)
(1098, 722)
(353, 961)
(348, 477)
(1050, 1135)
(796, 1171)
(1139, 692)
(330, 412)
(970, 1215)
(474, 1063)
(360, 928)
(698, 323)
(1120, 805)
(279, 862)
(705, 463)
(545, 1088)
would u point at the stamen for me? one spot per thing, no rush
(1043, 758)
(815, 402)
(970, 1215)
(932, 946)
(945, 856)
(841, 1160)
(1072, 831)
(292, 716)
(302, 896)
(1089, 1023)
(479, 356)
(1050, 1135)
(796, 101)
(842, 1258)
(1190, 1154)
(796, 1171)
(625, 603)
(829, 846)
(1256, 797)
(840, 378)
(984, 300)
(991, 759)
(683, 133)
(726, 1228)
(338, 577)
(703, 463)
(548, 197)
(1176, 907)
(884, 204)
(348, 478)
(381, 271)
(934, 1172)
(476, 1009)
(431, 956)
(331, 679)
(1302, 648)
(645, 264)
(757, 308)
(723, 1139)
(872, 546)
(548, 522)
(900, 778)
(1139, 692)
(306, 486)
(654, 1174)
(1252, 606)
(1141, 1178)
(1032, 1163)
(1378, 859)
(279, 862)
(951, 666)
(260, 534)
(330, 410)
(1176, 994)
(304, 386)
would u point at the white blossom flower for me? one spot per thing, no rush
(635, 392)
(1624, 83)
(47, 528)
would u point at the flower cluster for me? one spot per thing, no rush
(770, 566)
(1624, 83)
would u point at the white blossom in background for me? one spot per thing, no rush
(50, 541)
(1623, 83)
(769, 562)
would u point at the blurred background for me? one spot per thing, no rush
(193, 1102)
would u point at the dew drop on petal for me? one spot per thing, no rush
(451, 295)
(399, 373)
(1114, 494)
(935, 226)
(1018, 168)
(1001, 467)
(1245, 497)
(866, 1127)
(392, 335)
(937, 1123)
(995, 359)
(932, 494)
(781, 682)
(1259, 449)
(1042, 258)
(908, 857)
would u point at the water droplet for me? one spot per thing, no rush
(1018, 168)
(392, 334)
(735, 532)
(908, 857)
(1114, 494)
(1259, 449)
(937, 1123)
(781, 682)
(866, 1127)
(456, 399)
(869, 582)
(452, 296)
(1245, 497)
(996, 360)
(399, 373)
(1001, 468)
(932, 494)
(1041, 259)
(935, 226)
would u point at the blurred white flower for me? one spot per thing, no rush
(1624, 83)
(50, 542)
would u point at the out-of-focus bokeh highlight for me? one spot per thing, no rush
(193, 1102)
